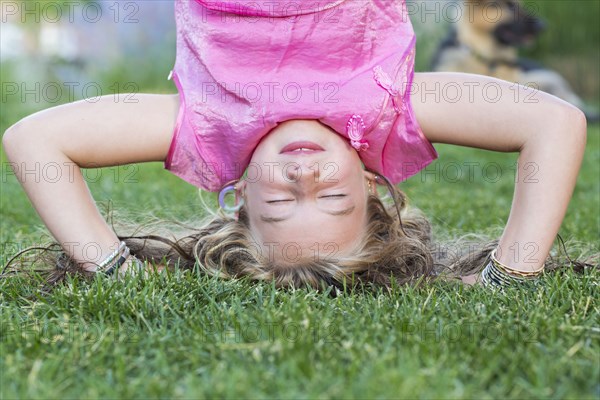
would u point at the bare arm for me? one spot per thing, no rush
(85, 134)
(545, 130)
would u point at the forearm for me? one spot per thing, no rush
(549, 134)
(548, 165)
(85, 134)
(63, 202)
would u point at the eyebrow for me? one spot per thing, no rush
(271, 220)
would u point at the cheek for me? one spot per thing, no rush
(258, 155)
(346, 171)
(342, 162)
(258, 172)
(252, 200)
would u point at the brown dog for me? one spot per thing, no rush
(485, 40)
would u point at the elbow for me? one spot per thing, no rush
(10, 141)
(558, 125)
(579, 124)
(572, 127)
(20, 139)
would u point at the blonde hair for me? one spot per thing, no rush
(397, 249)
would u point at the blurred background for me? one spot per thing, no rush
(84, 48)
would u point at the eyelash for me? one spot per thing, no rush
(281, 201)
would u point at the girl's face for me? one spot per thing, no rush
(306, 204)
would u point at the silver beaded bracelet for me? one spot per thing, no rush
(108, 260)
(114, 267)
(116, 259)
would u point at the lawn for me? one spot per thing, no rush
(184, 335)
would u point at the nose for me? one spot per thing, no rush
(302, 174)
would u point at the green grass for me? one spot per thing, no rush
(188, 336)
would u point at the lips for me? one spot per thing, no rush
(301, 147)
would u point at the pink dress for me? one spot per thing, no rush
(242, 67)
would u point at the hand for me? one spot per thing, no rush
(471, 279)
(134, 266)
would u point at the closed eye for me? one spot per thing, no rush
(328, 196)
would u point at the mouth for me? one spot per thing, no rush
(303, 147)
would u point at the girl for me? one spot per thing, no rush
(302, 111)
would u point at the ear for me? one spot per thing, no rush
(240, 188)
(370, 176)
